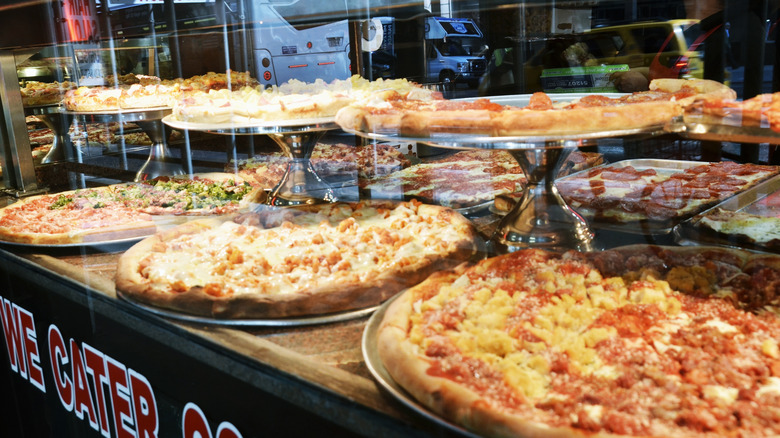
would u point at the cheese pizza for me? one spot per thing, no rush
(542, 116)
(637, 342)
(740, 227)
(296, 261)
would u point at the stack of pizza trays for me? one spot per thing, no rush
(651, 196)
(637, 341)
(748, 220)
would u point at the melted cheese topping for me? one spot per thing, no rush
(309, 251)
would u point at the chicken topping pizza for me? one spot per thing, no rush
(296, 261)
(638, 342)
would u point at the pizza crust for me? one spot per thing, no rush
(449, 309)
(452, 401)
(541, 117)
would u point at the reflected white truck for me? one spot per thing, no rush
(282, 52)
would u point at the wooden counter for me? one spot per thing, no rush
(325, 357)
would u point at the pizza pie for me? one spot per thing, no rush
(120, 211)
(295, 261)
(639, 341)
(465, 179)
(35, 93)
(328, 160)
(136, 96)
(626, 194)
(542, 116)
(293, 100)
(461, 180)
(761, 111)
(139, 92)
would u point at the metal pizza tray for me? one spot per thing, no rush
(123, 115)
(452, 140)
(644, 226)
(729, 128)
(386, 381)
(282, 126)
(689, 232)
(252, 322)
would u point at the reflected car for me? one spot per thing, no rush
(666, 49)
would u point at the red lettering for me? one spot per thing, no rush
(13, 341)
(33, 357)
(77, 30)
(95, 364)
(82, 395)
(58, 357)
(194, 423)
(120, 398)
(144, 406)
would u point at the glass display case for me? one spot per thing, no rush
(87, 358)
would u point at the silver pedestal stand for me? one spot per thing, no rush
(300, 184)
(541, 218)
(160, 162)
(59, 122)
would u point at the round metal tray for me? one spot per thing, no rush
(253, 322)
(385, 380)
(288, 126)
(517, 142)
(126, 115)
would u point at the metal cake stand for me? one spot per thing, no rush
(300, 184)
(541, 218)
(160, 162)
(54, 119)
